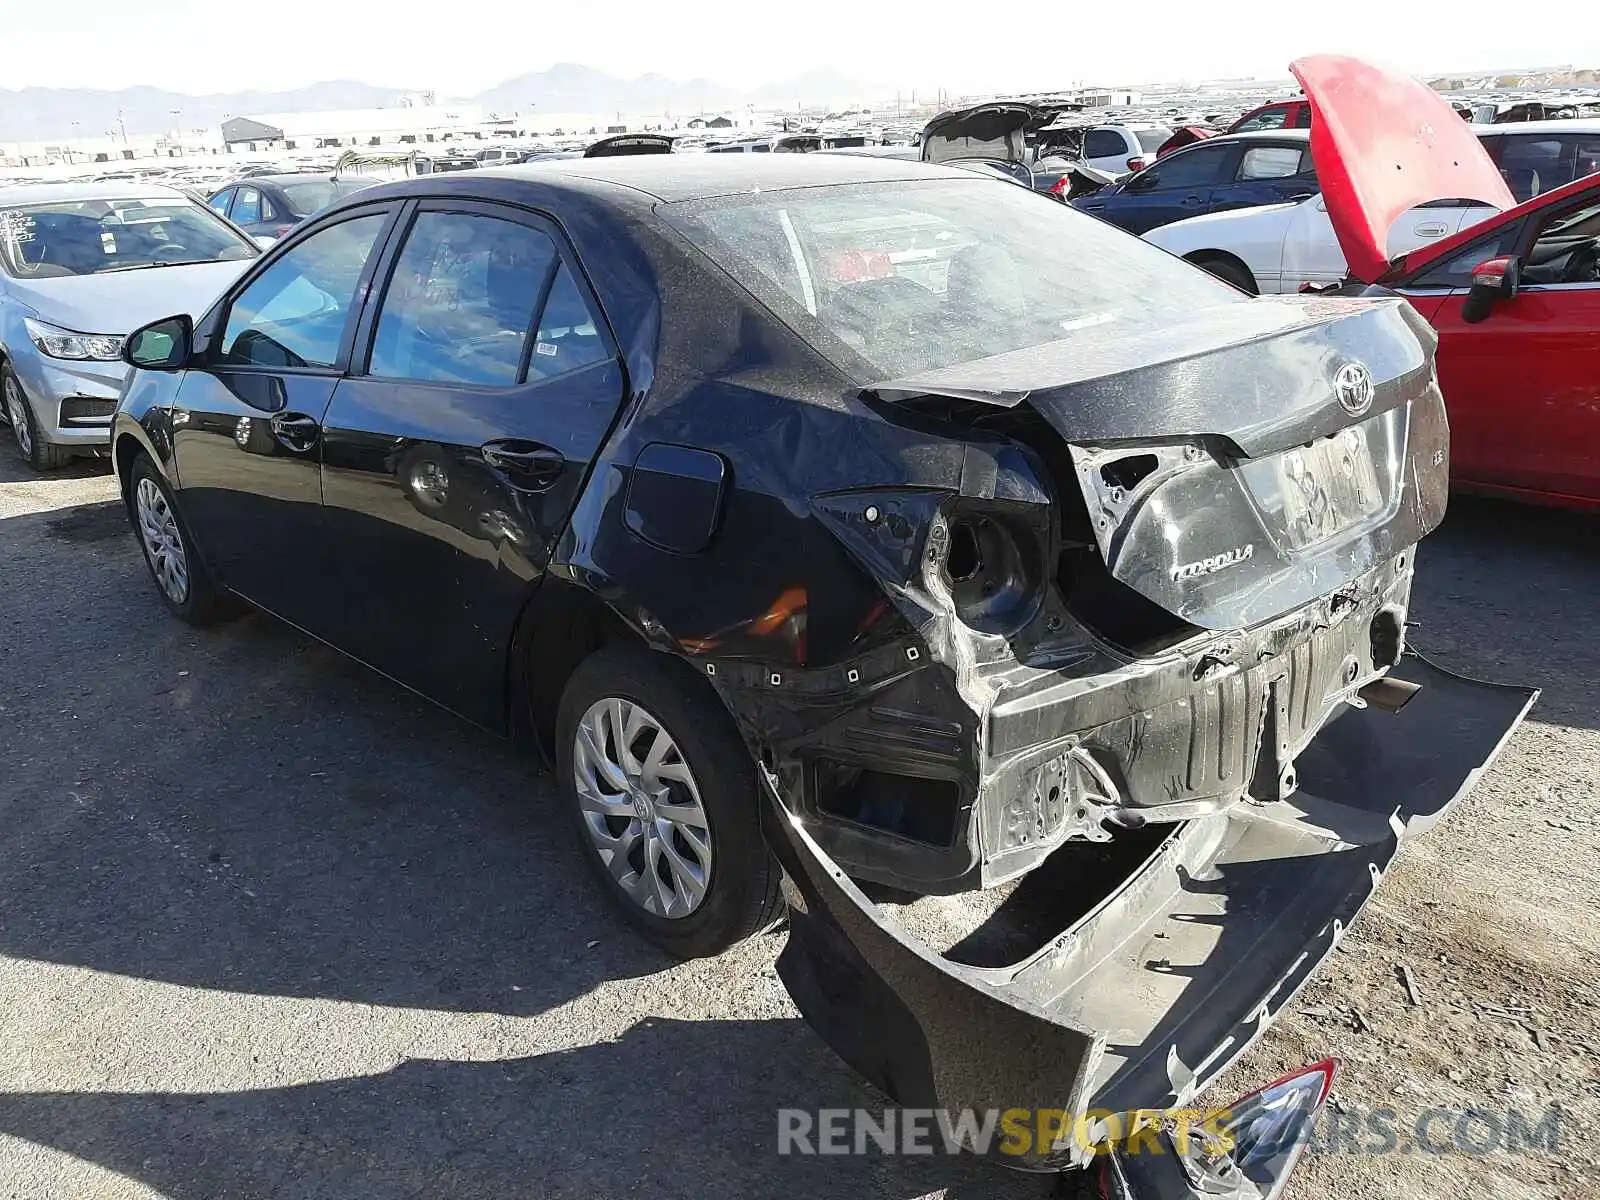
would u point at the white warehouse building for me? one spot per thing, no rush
(352, 127)
(417, 125)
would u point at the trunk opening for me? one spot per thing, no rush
(1000, 926)
(1103, 604)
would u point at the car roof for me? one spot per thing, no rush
(67, 193)
(900, 151)
(281, 177)
(1257, 135)
(675, 177)
(1565, 125)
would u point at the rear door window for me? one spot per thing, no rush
(246, 208)
(1273, 162)
(1198, 167)
(569, 336)
(1531, 164)
(460, 304)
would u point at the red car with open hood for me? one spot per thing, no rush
(1515, 299)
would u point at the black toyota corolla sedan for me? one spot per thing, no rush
(870, 526)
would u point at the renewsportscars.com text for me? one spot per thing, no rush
(1473, 1131)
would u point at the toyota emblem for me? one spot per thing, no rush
(1353, 386)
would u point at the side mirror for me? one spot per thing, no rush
(1495, 279)
(1142, 182)
(163, 345)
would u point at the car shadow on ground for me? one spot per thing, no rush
(670, 1109)
(246, 812)
(14, 470)
(1505, 592)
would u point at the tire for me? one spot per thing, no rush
(1229, 270)
(180, 575)
(740, 881)
(31, 446)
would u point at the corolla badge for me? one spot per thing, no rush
(1217, 562)
(1353, 386)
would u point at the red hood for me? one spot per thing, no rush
(1383, 144)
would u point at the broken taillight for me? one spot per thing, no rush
(1245, 1149)
(1270, 1125)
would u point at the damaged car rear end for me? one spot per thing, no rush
(1143, 550)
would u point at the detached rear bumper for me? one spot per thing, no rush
(1143, 1001)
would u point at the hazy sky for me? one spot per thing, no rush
(462, 46)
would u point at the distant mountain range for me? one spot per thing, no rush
(35, 113)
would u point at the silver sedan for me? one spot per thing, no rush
(81, 266)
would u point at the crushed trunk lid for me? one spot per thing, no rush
(1383, 144)
(1147, 998)
(1243, 462)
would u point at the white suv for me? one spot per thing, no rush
(1119, 149)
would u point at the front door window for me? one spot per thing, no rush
(294, 313)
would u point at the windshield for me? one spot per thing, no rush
(316, 194)
(1152, 140)
(92, 237)
(892, 279)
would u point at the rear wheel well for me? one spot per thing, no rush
(560, 627)
(1229, 267)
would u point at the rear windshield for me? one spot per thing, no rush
(316, 194)
(91, 237)
(890, 279)
(1152, 139)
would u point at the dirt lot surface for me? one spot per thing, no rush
(270, 926)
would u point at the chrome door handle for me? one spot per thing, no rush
(296, 430)
(530, 464)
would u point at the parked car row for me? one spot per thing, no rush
(1245, 170)
(271, 205)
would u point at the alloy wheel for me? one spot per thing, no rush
(642, 808)
(163, 543)
(17, 414)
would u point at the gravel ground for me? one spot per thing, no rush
(270, 926)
